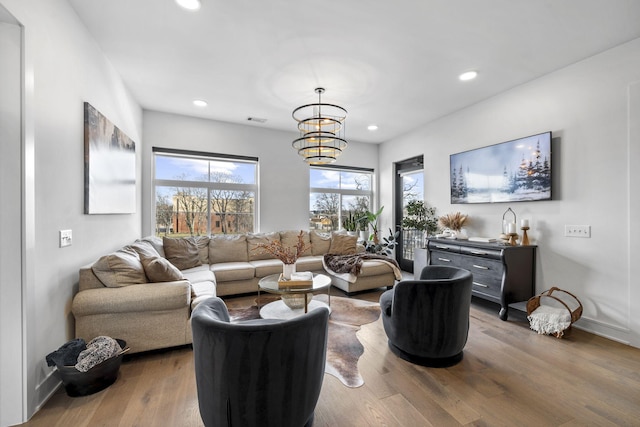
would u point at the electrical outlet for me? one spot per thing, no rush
(66, 238)
(577, 231)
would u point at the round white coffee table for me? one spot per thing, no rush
(294, 301)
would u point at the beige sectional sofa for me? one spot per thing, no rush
(144, 293)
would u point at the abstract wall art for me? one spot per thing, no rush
(109, 166)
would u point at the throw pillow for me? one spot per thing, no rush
(183, 253)
(289, 239)
(203, 248)
(159, 269)
(228, 248)
(253, 240)
(156, 242)
(343, 244)
(144, 249)
(121, 268)
(320, 243)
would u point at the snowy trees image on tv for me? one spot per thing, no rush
(512, 171)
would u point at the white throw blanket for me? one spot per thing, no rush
(549, 320)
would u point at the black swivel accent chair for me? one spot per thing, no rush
(427, 320)
(258, 372)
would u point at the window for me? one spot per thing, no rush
(202, 194)
(337, 192)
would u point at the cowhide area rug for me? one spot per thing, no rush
(343, 348)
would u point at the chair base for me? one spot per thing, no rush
(437, 362)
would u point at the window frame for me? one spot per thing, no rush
(344, 192)
(207, 185)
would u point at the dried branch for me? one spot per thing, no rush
(287, 255)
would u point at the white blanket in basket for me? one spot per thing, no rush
(549, 320)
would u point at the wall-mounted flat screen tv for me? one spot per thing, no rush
(512, 171)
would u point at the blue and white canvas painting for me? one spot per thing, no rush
(513, 171)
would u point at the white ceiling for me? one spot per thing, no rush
(390, 63)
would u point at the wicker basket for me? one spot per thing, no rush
(556, 297)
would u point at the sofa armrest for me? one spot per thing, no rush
(133, 298)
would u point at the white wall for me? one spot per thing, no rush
(284, 177)
(10, 219)
(64, 68)
(587, 107)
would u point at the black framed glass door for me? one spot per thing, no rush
(409, 185)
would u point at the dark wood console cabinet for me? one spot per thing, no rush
(502, 274)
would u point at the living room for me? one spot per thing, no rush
(591, 105)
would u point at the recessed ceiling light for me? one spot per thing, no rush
(200, 103)
(372, 127)
(469, 75)
(189, 4)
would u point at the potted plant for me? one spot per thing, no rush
(384, 247)
(350, 223)
(372, 220)
(420, 217)
(362, 224)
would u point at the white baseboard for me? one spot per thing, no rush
(617, 333)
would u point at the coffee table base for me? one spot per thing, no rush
(278, 310)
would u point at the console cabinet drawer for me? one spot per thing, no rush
(445, 258)
(503, 274)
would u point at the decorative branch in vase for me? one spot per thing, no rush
(288, 255)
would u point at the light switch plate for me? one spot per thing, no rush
(66, 238)
(577, 231)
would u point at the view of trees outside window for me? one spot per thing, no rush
(197, 195)
(335, 194)
(412, 190)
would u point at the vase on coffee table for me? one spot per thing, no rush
(287, 270)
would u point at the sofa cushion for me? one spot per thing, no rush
(199, 274)
(374, 268)
(265, 267)
(183, 252)
(289, 239)
(121, 268)
(309, 263)
(253, 242)
(228, 248)
(342, 244)
(230, 271)
(203, 248)
(202, 289)
(320, 242)
(159, 269)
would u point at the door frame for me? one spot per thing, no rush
(412, 164)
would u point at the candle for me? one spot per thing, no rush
(524, 223)
(511, 228)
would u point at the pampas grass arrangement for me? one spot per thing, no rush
(453, 221)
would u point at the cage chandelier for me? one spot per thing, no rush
(321, 129)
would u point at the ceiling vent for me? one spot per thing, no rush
(256, 119)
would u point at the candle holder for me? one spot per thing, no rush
(505, 236)
(513, 239)
(525, 238)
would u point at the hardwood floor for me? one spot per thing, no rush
(509, 376)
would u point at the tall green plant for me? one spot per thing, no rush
(420, 217)
(372, 220)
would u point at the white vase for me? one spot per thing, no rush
(287, 269)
